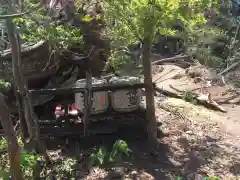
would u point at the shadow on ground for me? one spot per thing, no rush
(217, 156)
(143, 161)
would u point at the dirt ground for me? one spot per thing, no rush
(187, 129)
(215, 135)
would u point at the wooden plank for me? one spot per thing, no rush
(71, 90)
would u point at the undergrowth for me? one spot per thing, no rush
(60, 169)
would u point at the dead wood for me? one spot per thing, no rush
(167, 93)
(12, 15)
(178, 60)
(234, 99)
(24, 49)
(233, 66)
(202, 99)
(207, 101)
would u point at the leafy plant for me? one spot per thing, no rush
(214, 178)
(65, 169)
(28, 160)
(3, 143)
(98, 156)
(4, 85)
(138, 20)
(102, 155)
(189, 97)
(32, 30)
(120, 147)
(118, 60)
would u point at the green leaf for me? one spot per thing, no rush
(87, 18)
(4, 175)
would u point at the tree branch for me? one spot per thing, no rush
(13, 15)
(171, 59)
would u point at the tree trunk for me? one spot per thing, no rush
(150, 105)
(23, 124)
(13, 148)
(17, 74)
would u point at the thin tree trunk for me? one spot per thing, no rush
(13, 147)
(32, 117)
(23, 125)
(150, 106)
(17, 76)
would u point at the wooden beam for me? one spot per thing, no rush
(72, 90)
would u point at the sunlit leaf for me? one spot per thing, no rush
(87, 18)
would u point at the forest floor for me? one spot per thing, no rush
(213, 136)
(187, 128)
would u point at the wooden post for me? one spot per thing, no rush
(87, 96)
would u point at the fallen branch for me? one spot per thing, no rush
(22, 13)
(167, 93)
(12, 15)
(24, 49)
(204, 100)
(178, 59)
(229, 100)
(234, 65)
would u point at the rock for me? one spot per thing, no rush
(116, 173)
(134, 174)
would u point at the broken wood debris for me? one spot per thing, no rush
(202, 99)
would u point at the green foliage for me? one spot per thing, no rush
(118, 60)
(3, 143)
(28, 161)
(65, 169)
(189, 97)
(98, 156)
(4, 85)
(219, 46)
(102, 155)
(202, 44)
(214, 178)
(120, 147)
(129, 22)
(138, 18)
(40, 25)
(32, 31)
